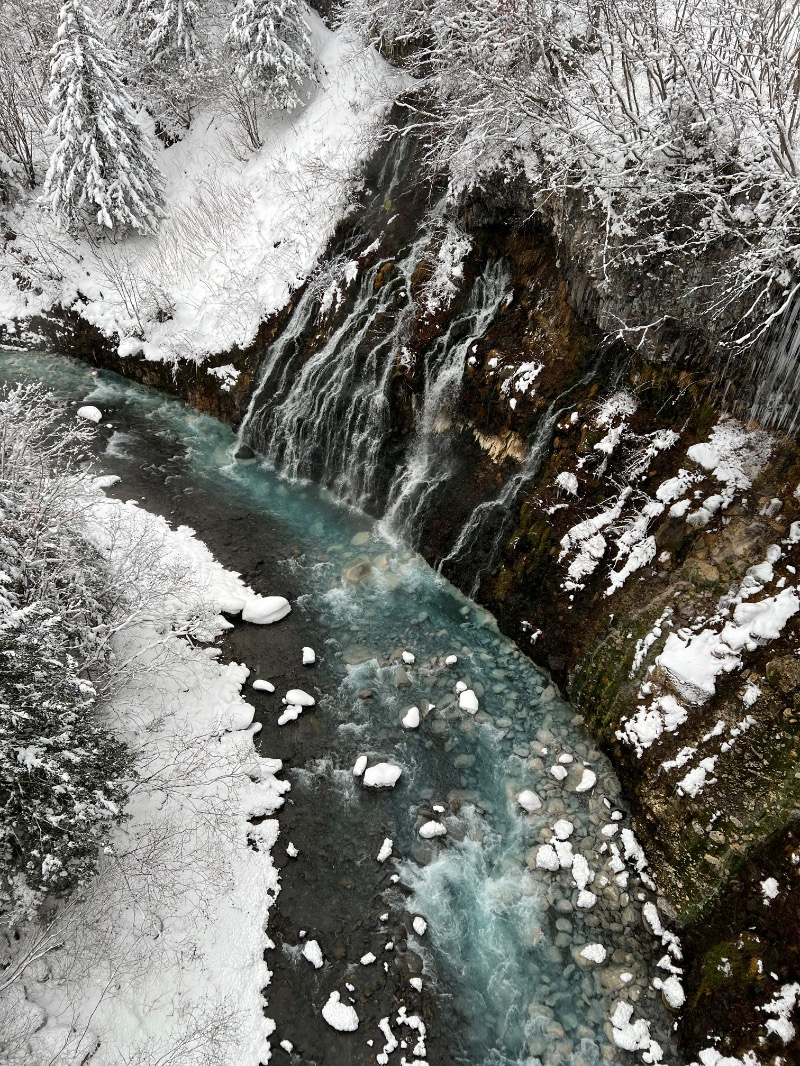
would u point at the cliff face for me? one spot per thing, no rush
(635, 539)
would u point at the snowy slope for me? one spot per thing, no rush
(243, 230)
(162, 954)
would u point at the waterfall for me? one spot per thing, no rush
(428, 463)
(776, 402)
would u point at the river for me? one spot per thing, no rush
(503, 980)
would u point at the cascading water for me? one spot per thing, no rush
(776, 370)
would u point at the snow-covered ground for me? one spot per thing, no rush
(242, 231)
(161, 957)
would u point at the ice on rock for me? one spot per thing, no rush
(563, 829)
(594, 953)
(409, 658)
(468, 701)
(340, 1015)
(386, 849)
(587, 781)
(309, 657)
(91, 414)
(563, 849)
(313, 953)
(451, 660)
(416, 982)
(460, 687)
(566, 759)
(559, 772)
(420, 925)
(299, 698)
(411, 718)
(368, 959)
(382, 775)
(263, 686)
(529, 801)
(291, 850)
(287, 1046)
(360, 766)
(672, 991)
(432, 829)
(586, 899)
(264, 610)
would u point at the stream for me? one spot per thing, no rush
(509, 898)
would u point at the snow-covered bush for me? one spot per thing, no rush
(103, 165)
(674, 129)
(61, 771)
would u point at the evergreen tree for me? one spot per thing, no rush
(273, 44)
(134, 18)
(174, 36)
(61, 771)
(103, 161)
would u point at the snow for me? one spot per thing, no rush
(451, 660)
(468, 701)
(241, 234)
(309, 657)
(782, 1006)
(340, 1015)
(420, 925)
(416, 983)
(360, 766)
(672, 990)
(382, 775)
(529, 801)
(547, 858)
(594, 953)
(172, 929)
(299, 698)
(559, 772)
(91, 414)
(769, 890)
(263, 686)
(432, 829)
(291, 850)
(264, 610)
(313, 952)
(409, 658)
(291, 713)
(629, 1035)
(563, 829)
(567, 482)
(698, 777)
(368, 959)
(411, 718)
(385, 849)
(588, 780)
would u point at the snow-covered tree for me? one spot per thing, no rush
(103, 162)
(174, 35)
(272, 43)
(135, 18)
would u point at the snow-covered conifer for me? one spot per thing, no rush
(174, 35)
(103, 162)
(272, 42)
(134, 17)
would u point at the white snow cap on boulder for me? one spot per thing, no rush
(382, 775)
(468, 701)
(299, 698)
(360, 766)
(91, 414)
(309, 657)
(529, 801)
(339, 1015)
(432, 829)
(264, 610)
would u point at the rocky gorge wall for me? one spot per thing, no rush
(626, 516)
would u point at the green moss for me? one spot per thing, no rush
(731, 964)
